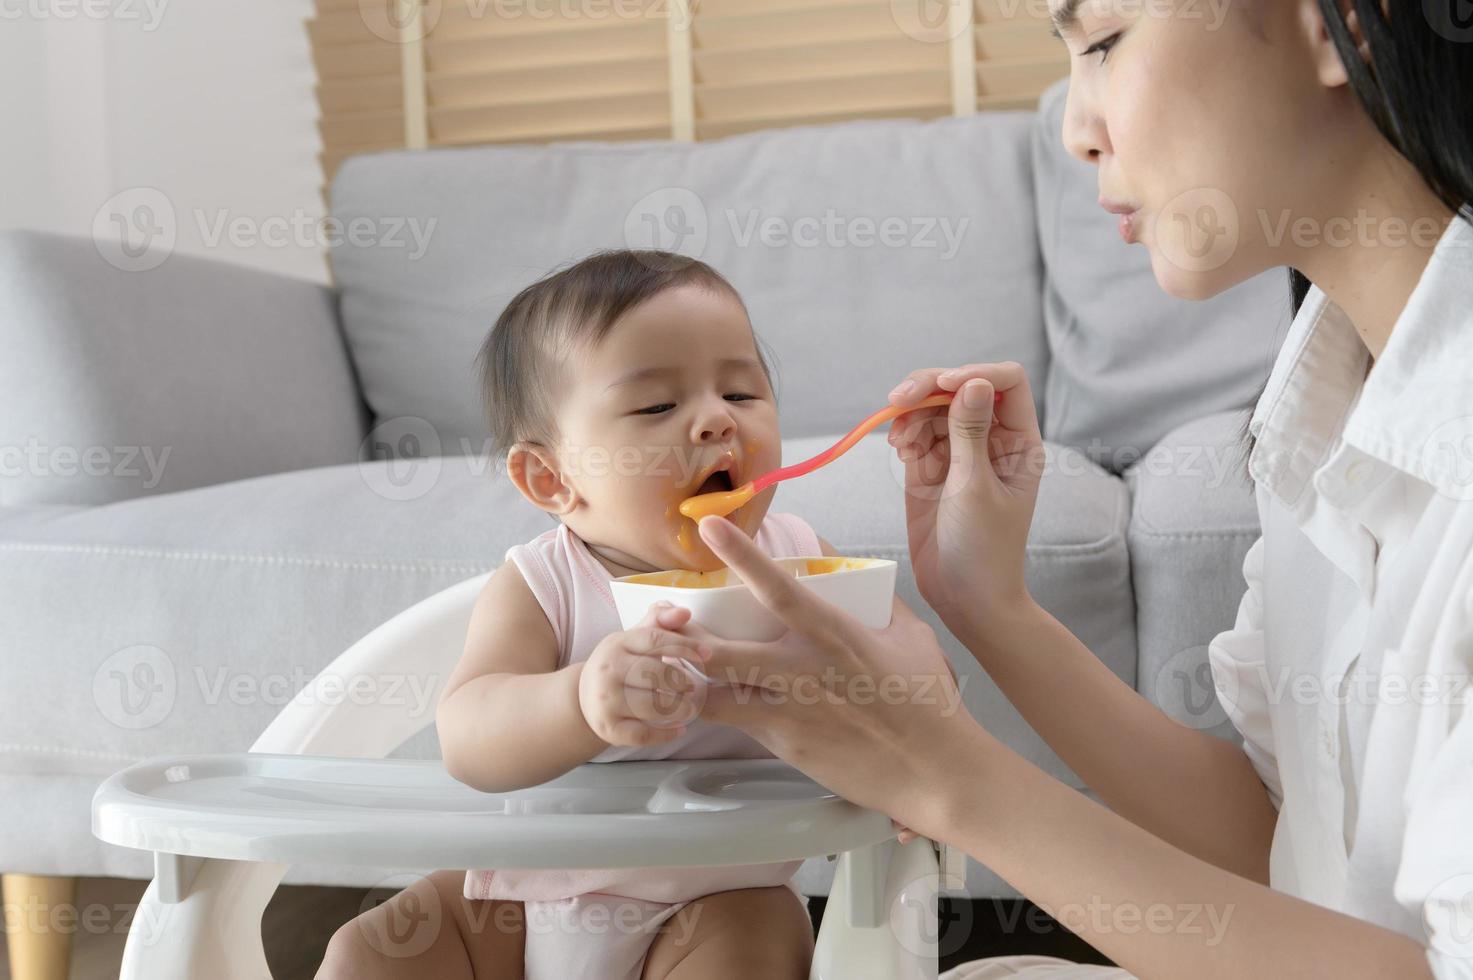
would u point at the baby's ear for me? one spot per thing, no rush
(536, 472)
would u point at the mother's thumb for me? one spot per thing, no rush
(968, 422)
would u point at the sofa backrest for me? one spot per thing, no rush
(863, 250)
(1128, 362)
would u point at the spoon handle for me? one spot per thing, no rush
(845, 444)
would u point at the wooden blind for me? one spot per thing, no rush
(413, 73)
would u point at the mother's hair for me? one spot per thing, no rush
(1416, 71)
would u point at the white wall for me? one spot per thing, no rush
(208, 102)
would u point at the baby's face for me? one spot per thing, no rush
(672, 396)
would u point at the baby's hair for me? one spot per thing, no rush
(574, 306)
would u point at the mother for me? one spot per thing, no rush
(1339, 836)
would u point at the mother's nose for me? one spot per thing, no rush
(1085, 135)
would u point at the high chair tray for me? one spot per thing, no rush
(295, 809)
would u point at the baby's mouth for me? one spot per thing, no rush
(717, 482)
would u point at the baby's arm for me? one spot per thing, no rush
(509, 717)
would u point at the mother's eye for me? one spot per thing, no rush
(1102, 46)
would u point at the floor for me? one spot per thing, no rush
(300, 919)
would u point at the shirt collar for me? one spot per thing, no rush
(1415, 404)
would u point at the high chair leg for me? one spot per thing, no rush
(40, 919)
(880, 921)
(205, 924)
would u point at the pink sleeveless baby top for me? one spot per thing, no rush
(573, 589)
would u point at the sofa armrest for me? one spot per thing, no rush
(119, 384)
(1193, 517)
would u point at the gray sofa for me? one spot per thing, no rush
(215, 479)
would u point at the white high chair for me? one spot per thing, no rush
(316, 787)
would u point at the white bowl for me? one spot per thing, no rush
(722, 603)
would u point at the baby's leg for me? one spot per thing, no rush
(429, 930)
(751, 932)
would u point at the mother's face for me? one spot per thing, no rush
(1211, 121)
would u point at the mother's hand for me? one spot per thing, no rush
(873, 715)
(971, 482)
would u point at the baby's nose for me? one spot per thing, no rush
(716, 428)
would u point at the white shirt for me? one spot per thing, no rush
(1348, 669)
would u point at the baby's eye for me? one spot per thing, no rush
(740, 398)
(655, 409)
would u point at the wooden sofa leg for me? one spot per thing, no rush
(40, 920)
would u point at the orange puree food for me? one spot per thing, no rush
(681, 578)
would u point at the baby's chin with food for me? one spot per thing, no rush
(683, 548)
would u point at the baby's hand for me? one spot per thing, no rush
(629, 693)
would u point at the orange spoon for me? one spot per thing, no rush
(723, 502)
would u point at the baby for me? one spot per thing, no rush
(617, 388)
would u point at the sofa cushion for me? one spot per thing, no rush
(863, 250)
(1128, 362)
(183, 622)
(1193, 519)
(118, 384)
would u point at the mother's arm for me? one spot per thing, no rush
(1153, 908)
(971, 484)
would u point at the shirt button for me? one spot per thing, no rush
(1327, 742)
(1355, 472)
